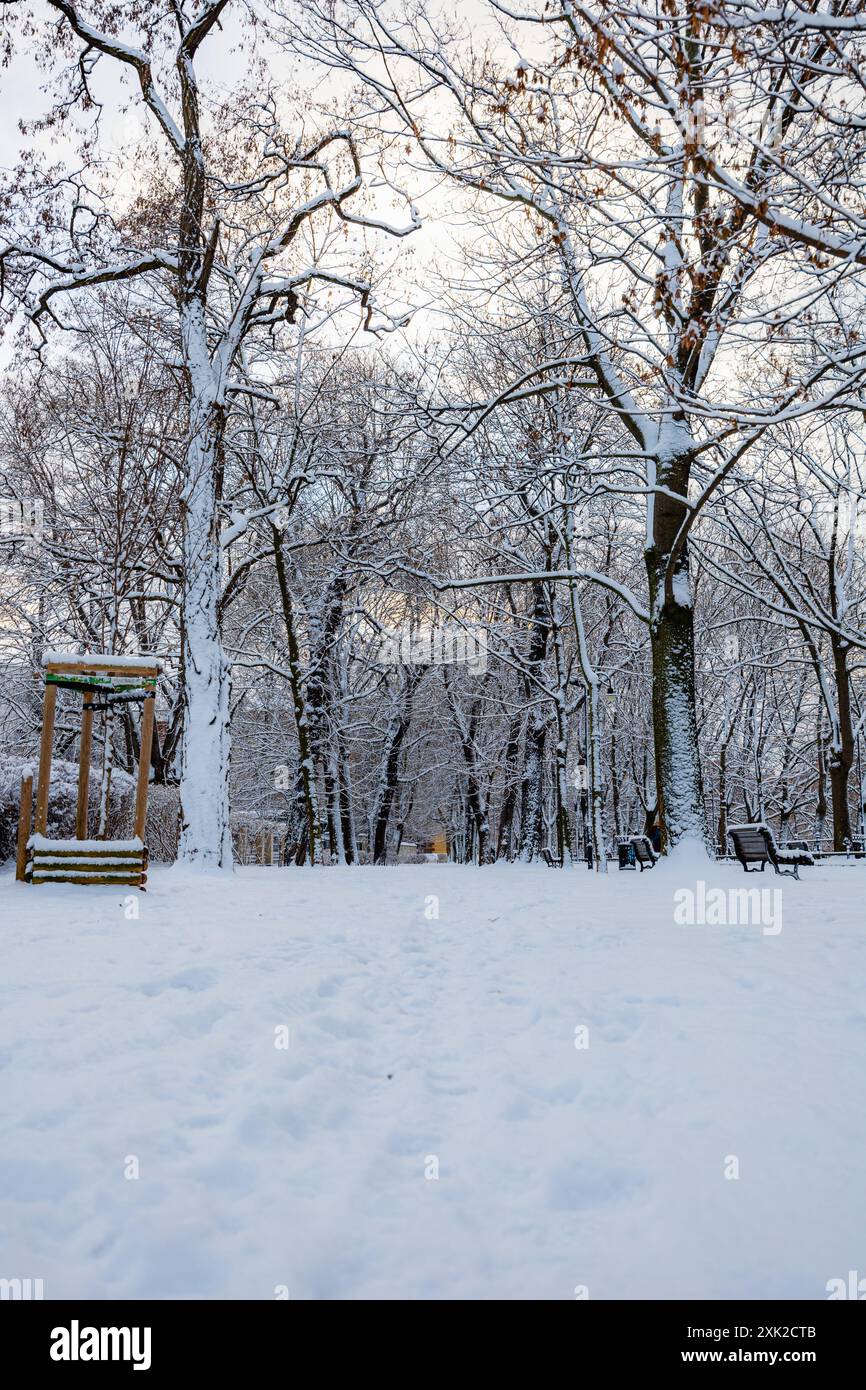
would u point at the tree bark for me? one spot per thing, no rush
(672, 636)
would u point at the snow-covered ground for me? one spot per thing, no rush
(418, 1041)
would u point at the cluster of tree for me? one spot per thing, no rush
(613, 464)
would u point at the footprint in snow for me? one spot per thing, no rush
(583, 1186)
(27, 1180)
(619, 1028)
(442, 1085)
(342, 1027)
(405, 1144)
(329, 987)
(192, 979)
(198, 1025)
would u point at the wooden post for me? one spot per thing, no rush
(44, 781)
(144, 766)
(24, 814)
(84, 768)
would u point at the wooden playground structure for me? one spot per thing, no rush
(103, 681)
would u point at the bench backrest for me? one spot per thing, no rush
(750, 842)
(643, 849)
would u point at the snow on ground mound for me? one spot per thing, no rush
(421, 1044)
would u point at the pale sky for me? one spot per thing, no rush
(21, 97)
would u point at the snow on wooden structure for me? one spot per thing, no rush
(103, 681)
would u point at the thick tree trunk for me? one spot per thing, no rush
(724, 805)
(332, 802)
(677, 761)
(397, 729)
(531, 804)
(592, 719)
(309, 790)
(841, 758)
(509, 796)
(476, 799)
(323, 619)
(614, 785)
(531, 797)
(347, 813)
(298, 833)
(563, 824)
(785, 804)
(205, 837)
(821, 799)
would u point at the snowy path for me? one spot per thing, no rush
(412, 1039)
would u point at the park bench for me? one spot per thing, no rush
(643, 851)
(756, 844)
(553, 861)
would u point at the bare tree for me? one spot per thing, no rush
(220, 236)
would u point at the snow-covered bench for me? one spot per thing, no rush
(553, 861)
(643, 851)
(86, 861)
(755, 843)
